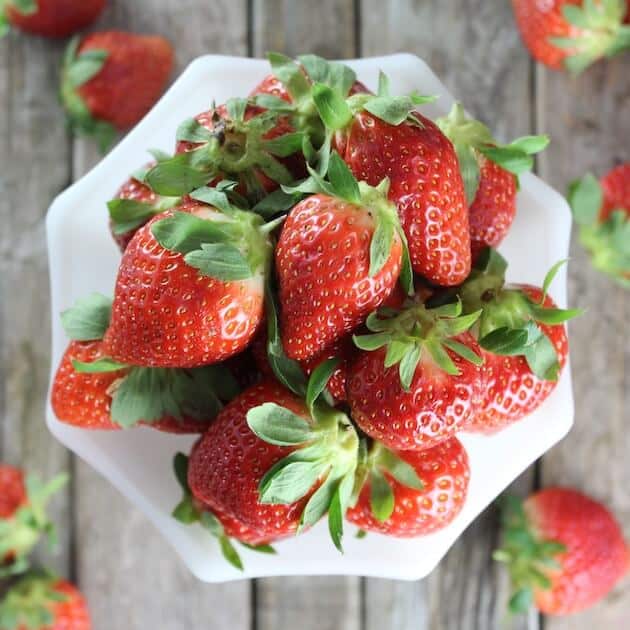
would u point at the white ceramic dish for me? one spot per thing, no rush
(83, 259)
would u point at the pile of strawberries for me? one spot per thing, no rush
(310, 283)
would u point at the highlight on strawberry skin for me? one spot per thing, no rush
(564, 551)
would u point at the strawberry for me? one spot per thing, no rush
(111, 79)
(134, 204)
(412, 493)
(50, 18)
(573, 34)
(275, 463)
(23, 518)
(45, 602)
(189, 290)
(525, 342)
(91, 391)
(602, 210)
(338, 258)
(564, 551)
(419, 378)
(224, 527)
(490, 173)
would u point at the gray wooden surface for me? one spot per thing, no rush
(132, 580)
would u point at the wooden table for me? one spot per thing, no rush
(132, 579)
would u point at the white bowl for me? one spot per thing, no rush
(83, 259)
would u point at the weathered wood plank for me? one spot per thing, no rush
(589, 119)
(120, 557)
(325, 28)
(34, 169)
(475, 50)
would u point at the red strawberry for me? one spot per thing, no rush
(490, 173)
(602, 210)
(419, 380)
(50, 18)
(329, 278)
(93, 392)
(512, 390)
(22, 516)
(242, 467)
(572, 33)
(134, 204)
(525, 340)
(45, 602)
(564, 550)
(412, 493)
(425, 185)
(111, 79)
(190, 286)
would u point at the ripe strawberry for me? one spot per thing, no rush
(224, 527)
(45, 602)
(338, 258)
(602, 210)
(50, 18)
(524, 338)
(573, 34)
(23, 518)
(419, 380)
(412, 493)
(275, 463)
(190, 286)
(564, 551)
(134, 204)
(93, 392)
(490, 173)
(111, 79)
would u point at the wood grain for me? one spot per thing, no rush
(34, 168)
(325, 28)
(132, 578)
(474, 48)
(589, 119)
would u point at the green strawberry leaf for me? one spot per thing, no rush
(236, 108)
(394, 110)
(371, 342)
(521, 601)
(396, 350)
(469, 168)
(220, 261)
(542, 359)
(530, 144)
(85, 66)
(88, 318)
(25, 7)
(319, 502)
(177, 176)
(190, 130)
(331, 107)
(268, 549)
(290, 74)
(505, 341)
(441, 357)
(273, 102)
(213, 197)
(319, 379)
(99, 366)
(463, 351)
(128, 214)
(399, 469)
(585, 198)
(290, 481)
(230, 553)
(408, 364)
(184, 233)
(381, 496)
(279, 426)
(549, 278)
(275, 203)
(285, 145)
(383, 84)
(513, 160)
(335, 519)
(342, 180)
(381, 245)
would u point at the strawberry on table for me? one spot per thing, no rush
(490, 173)
(602, 210)
(411, 493)
(524, 340)
(190, 285)
(564, 551)
(111, 79)
(418, 379)
(92, 391)
(43, 602)
(134, 205)
(23, 519)
(573, 34)
(277, 463)
(50, 18)
(339, 256)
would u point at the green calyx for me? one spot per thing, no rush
(509, 323)
(23, 529)
(417, 333)
(77, 69)
(528, 557)
(607, 241)
(326, 448)
(229, 245)
(601, 32)
(473, 139)
(28, 603)
(234, 148)
(376, 467)
(188, 512)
